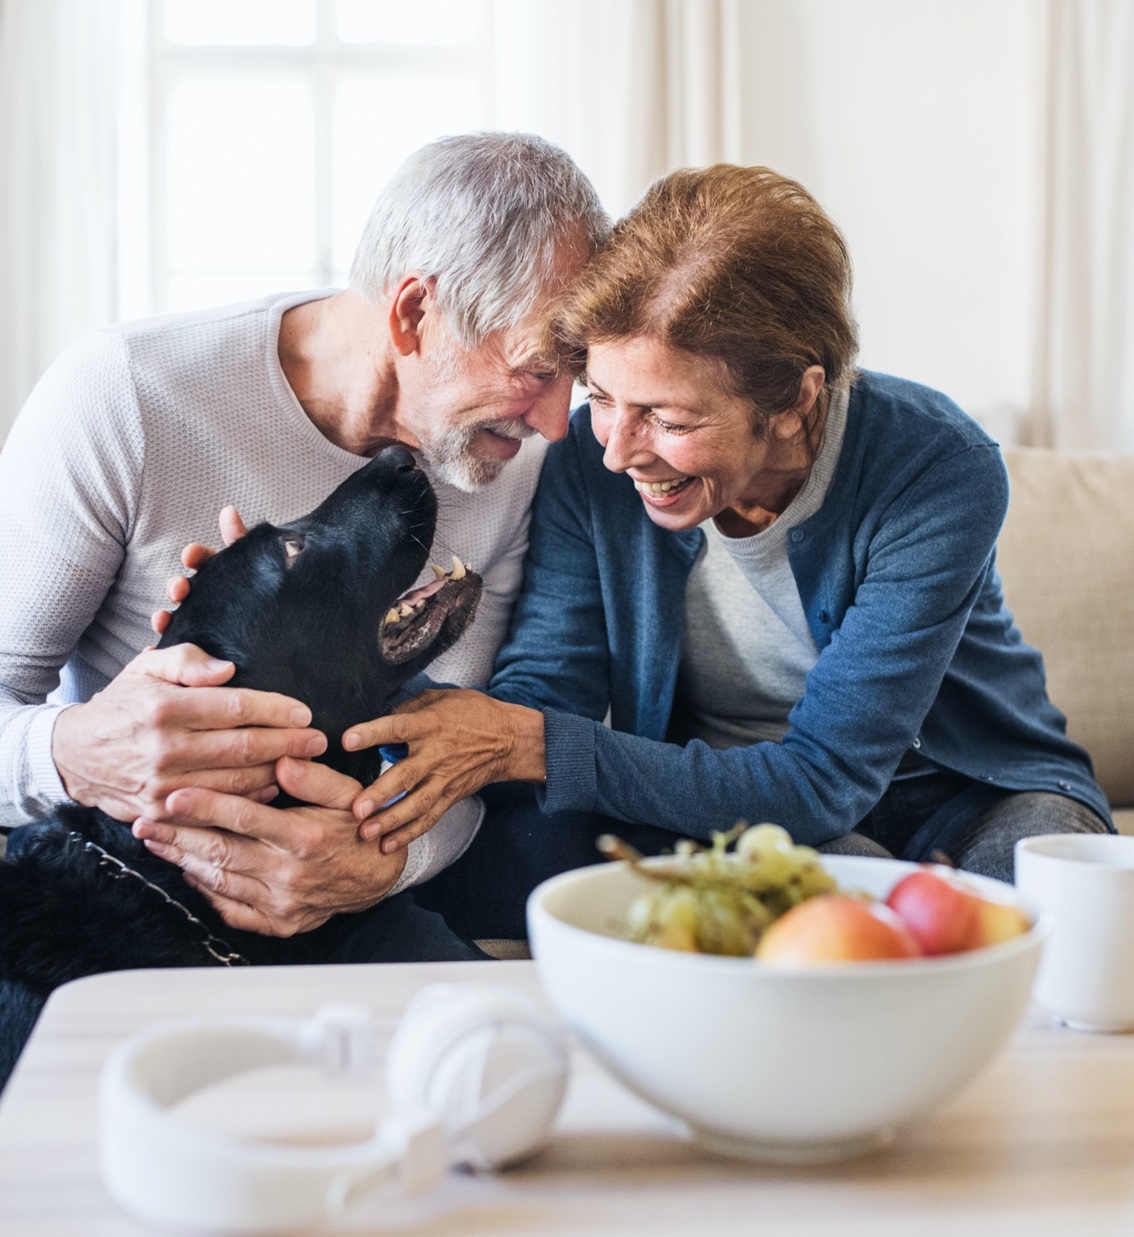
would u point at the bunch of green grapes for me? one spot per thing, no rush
(720, 901)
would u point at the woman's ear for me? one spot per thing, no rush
(809, 387)
(406, 312)
(793, 422)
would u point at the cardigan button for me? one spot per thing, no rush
(917, 742)
(797, 535)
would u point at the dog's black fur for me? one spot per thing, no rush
(303, 610)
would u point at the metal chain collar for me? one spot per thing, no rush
(218, 948)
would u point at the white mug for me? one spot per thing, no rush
(1086, 882)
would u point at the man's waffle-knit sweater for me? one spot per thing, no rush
(125, 452)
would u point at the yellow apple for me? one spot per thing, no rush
(998, 922)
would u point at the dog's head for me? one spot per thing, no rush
(323, 608)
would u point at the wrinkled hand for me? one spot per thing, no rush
(193, 557)
(271, 870)
(165, 722)
(458, 742)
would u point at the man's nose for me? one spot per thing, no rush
(550, 411)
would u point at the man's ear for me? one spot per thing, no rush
(406, 312)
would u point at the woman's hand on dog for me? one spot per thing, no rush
(144, 735)
(193, 557)
(458, 741)
(278, 872)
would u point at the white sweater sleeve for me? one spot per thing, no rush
(69, 475)
(444, 844)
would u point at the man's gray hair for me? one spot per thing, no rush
(482, 215)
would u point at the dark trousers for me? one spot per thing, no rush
(942, 817)
(396, 930)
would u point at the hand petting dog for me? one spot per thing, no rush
(143, 736)
(459, 741)
(278, 872)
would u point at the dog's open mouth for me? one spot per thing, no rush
(418, 617)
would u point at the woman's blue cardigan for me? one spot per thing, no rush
(898, 580)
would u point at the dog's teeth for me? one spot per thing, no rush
(405, 609)
(458, 572)
(419, 603)
(439, 572)
(392, 616)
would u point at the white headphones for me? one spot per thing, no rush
(475, 1076)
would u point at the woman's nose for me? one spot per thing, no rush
(622, 448)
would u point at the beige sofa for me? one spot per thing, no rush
(1067, 558)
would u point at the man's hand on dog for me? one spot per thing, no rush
(194, 557)
(459, 741)
(144, 735)
(276, 871)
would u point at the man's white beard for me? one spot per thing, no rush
(453, 461)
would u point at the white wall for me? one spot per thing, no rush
(917, 123)
(918, 127)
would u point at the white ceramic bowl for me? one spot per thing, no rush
(807, 1064)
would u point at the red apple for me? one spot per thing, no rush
(835, 928)
(946, 916)
(942, 914)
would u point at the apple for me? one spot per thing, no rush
(1000, 921)
(836, 928)
(947, 916)
(941, 913)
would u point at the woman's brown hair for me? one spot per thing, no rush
(736, 263)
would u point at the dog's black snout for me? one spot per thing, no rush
(399, 458)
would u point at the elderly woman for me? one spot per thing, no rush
(776, 575)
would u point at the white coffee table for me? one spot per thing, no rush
(1042, 1144)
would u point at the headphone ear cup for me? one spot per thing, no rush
(488, 1063)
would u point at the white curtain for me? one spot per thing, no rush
(1084, 374)
(58, 125)
(633, 88)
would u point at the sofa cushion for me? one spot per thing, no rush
(1066, 555)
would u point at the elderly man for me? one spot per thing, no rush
(135, 439)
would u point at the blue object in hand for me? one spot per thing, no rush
(391, 753)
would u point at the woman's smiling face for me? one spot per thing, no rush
(666, 418)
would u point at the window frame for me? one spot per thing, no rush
(325, 62)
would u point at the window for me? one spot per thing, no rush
(274, 123)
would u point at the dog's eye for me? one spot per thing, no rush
(293, 547)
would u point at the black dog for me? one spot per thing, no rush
(317, 610)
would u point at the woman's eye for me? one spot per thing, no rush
(670, 427)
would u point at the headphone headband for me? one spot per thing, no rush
(501, 1058)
